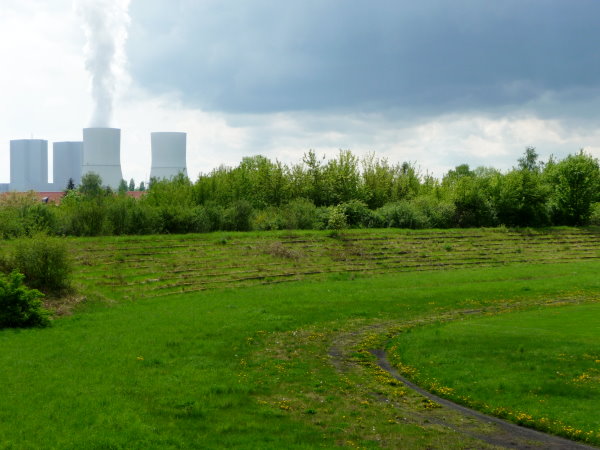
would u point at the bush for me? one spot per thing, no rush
(595, 215)
(323, 213)
(268, 219)
(11, 224)
(44, 261)
(201, 220)
(41, 218)
(177, 219)
(439, 213)
(237, 216)
(215, 214)
(144, 219)
(20, 306)
(337, 219)
(301, 214)
(403, 214)
(359, 215)
(85, 218)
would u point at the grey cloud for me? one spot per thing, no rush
(427, 57)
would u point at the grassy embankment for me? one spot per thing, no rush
(145, 364)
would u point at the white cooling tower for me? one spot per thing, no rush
(28, 165)
(168, 154)
(102, 154)
(68, 159)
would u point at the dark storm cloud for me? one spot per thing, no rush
(425, 57)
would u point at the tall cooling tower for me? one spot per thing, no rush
(68, 159)
(102, 154)
(168, 154)
(28, 165)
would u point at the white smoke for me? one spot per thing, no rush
(105, 23)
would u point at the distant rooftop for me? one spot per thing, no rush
(56, 197)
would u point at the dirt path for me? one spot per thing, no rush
(490, 431)
(504, 434)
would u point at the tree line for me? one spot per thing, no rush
(345, 191)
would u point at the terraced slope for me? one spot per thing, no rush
(148, 266)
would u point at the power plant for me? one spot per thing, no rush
(68, 162)
(99, 152)
(102, 154)
(168, 154)
(28, 165)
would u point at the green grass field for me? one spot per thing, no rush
(539, 368)
(257, 340)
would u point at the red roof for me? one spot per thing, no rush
(55, 197)
(135, 194)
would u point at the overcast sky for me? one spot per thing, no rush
(435, 82)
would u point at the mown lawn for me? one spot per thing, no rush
(539, 368)
(245, 367)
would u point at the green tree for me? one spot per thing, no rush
(91, 185)
(406, 184)
(575, 185)
(343, 177)
(316, 187)
(122, 187)
(469, 191)
(131, 186)
(175, 192)
(377, 181)
(529, 161)
(522, 198)
(70, 185)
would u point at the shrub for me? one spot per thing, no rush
(175, 218)
(118, 215)
(41, 218)
(439, 213)
(44, 261)
(337, 219)
(144, 219)
(300, 214)
(20, 306)
(358, 214)
(85, 218)
(185, 219)
(201, 220)
(403, 214)
(237, 216)
(323, 213)
(595, 215)
(268, 219)
(22, 214)
(11, 224)
(215, 214)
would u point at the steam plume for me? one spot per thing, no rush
(105, 24)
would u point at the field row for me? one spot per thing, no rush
(160, 265)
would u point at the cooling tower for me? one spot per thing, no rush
(68, 159)
(28, 165)
(102, 154)
(168, 154)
